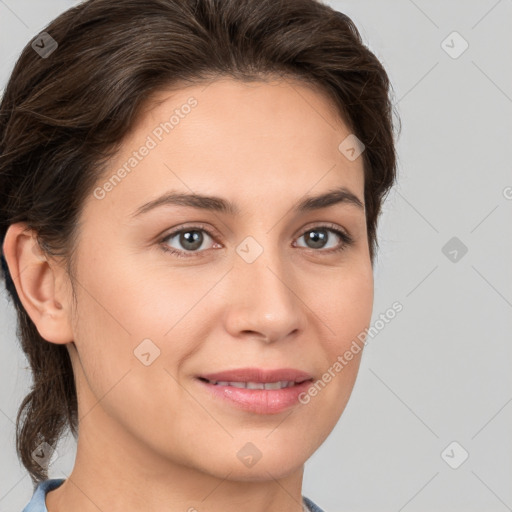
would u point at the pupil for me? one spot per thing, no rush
(195, 238)
(318, 237)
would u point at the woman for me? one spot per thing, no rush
(190, 195)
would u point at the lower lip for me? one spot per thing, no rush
(260, 401)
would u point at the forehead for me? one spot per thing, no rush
(233, 138)
(272, 108)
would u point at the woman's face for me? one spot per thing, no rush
(258, 285)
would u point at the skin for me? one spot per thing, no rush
(150, 437)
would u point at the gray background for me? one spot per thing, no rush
(439, 372)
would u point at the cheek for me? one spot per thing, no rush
(346, 307)
(131, 393)
(125, 361)
(128, 318)
(342, 313)
(345, 310)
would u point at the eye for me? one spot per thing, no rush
(190, 239)
(318, 238)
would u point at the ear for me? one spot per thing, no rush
(42, 285)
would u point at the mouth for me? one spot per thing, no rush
(256, 390)
(280, 384)
(258, 376)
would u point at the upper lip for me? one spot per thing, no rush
(258, 375)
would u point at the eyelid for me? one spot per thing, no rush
(199, 226)
(326, 225)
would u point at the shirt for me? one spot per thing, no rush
(38, 504)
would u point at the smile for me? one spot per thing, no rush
(255, 385)
(255, 397)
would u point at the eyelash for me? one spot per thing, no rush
(346, 240)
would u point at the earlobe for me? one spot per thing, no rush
(38, 281)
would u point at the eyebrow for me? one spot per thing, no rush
(218, 204)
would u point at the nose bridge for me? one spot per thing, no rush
(264, 261)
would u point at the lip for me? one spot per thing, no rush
(259, 401)
(258, 375)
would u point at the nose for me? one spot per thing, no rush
(265, 301)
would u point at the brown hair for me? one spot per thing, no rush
(63, 116)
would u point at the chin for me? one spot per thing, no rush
(263, 469)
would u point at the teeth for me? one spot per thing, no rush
(234, 384)
(256, 385)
